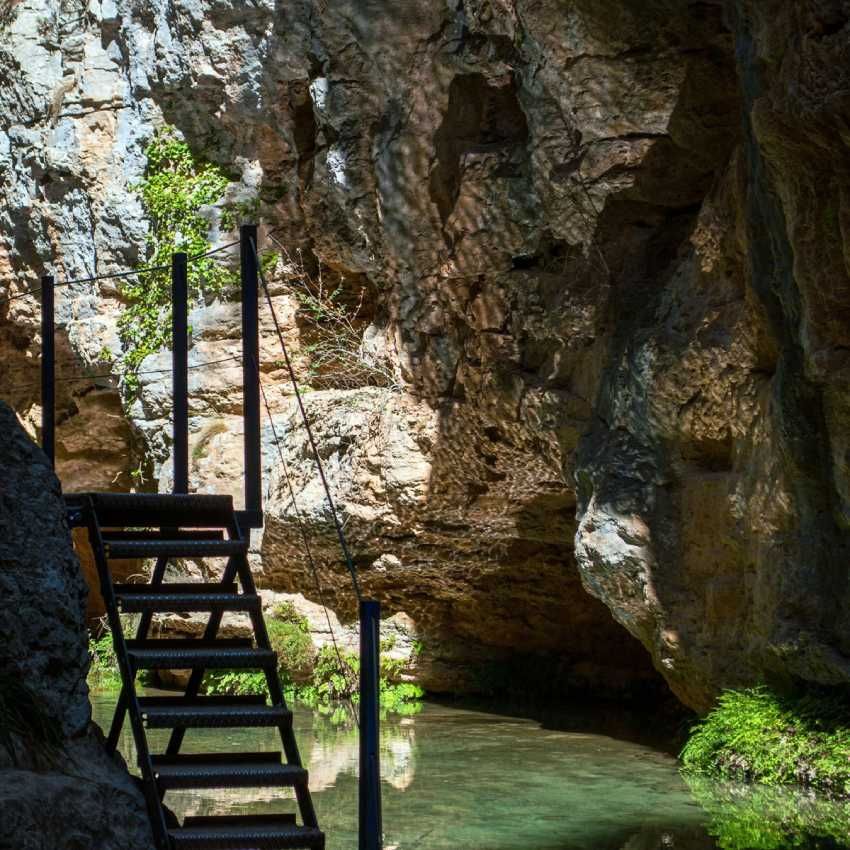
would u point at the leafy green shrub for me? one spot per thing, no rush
(104, 674)
(323, 680)
(757, 735)
(289, 635)
(103, 670)
(175, 187)
(23, 721)
(334, 681)
(234, 682)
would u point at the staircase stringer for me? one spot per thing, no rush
(145, 619)
(287, 734)
(128, 676)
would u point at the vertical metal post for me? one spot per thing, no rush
(180, 369)
(371, 828)
(248, 253)
(48, 371)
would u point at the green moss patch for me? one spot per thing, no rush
(759, 736)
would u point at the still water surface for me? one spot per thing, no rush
(469, 780)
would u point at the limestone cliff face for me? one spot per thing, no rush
(44, 789)
(604, 251)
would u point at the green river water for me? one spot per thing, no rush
(470, 780)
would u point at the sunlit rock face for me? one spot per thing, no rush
(44, 787)
(604, 250)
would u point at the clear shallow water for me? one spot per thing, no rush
(467, 780)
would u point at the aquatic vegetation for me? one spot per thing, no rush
(757, 735)
(176, 186)
(758, 817)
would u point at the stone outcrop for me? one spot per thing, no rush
(61, 769)
(713, 485)
(600, 251)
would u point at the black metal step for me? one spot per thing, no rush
(225, 770)
(246, 832)
(123, 510)
(182, 548)
(180, 654)
(198, 597)
(211, 712)
(178, 587)
(110, 536)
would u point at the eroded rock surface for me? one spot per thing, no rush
(44, 788)
(604, 247)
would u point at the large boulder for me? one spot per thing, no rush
(58, 787)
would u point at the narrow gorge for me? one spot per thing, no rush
(566, 282)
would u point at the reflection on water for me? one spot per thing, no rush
(467, 780)
(743, 816)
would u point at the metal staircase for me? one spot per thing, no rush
(195, 526)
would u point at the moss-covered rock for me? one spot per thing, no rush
(760, 736)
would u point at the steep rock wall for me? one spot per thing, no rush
(605, 250)
(57, 790)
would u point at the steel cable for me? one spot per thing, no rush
(311, 438)
(307, 548)
(114, 275)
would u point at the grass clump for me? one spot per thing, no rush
(333, 314)
(756, 735)
(175, 187)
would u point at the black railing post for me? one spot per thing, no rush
(370, 827)
(48, 371)
(180, 369)
(248, 253)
